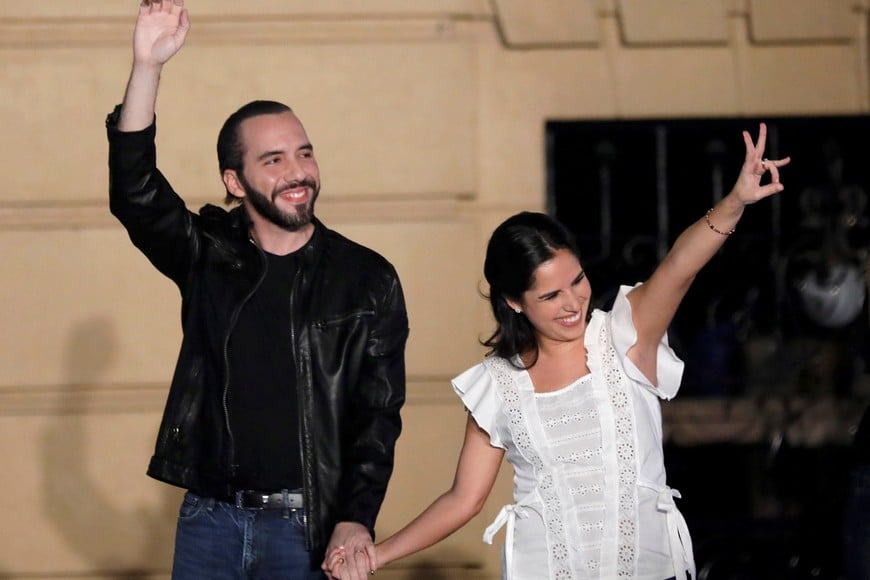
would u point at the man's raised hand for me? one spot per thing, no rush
(160, 32)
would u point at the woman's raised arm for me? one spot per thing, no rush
(655, 302)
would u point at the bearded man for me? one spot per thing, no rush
(283, 412)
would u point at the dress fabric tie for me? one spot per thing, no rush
(508, 515)
(678, 533)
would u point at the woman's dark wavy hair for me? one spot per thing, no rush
(515, 250)
(230, 149)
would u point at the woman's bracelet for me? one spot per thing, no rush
(712, 227)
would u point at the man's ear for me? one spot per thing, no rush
(232, 183)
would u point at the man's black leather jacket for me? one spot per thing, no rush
(349, 328)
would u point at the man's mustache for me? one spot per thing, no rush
(294, 185)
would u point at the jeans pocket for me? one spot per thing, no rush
(191, 506)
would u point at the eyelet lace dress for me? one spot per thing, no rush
(590, 498)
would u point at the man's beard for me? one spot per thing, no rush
(265, 205)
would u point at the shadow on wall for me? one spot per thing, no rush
(115, 533)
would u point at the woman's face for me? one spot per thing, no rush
(558, 300)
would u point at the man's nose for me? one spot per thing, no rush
(295, 173)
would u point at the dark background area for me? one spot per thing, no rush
(780, 312)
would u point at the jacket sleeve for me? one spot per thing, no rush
(154, 216)
(368, 462)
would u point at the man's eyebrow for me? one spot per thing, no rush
(273, 152)
(270, 153)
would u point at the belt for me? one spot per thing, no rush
(260, 500)
(678, 534)
(508, 516)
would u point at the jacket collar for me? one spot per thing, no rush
(241, 224)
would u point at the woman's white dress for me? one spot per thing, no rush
(590, 497)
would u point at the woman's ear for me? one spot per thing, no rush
(515, 306)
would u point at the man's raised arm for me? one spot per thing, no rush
(160, 31)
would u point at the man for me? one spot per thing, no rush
(283, 413)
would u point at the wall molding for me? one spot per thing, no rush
(53, 33)
(95, 215)
(509, 17)
(150, 397)
(805, 421)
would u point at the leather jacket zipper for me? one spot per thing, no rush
(300, 401)
(231, 453)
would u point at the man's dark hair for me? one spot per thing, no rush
(230, 150)
(515, 250)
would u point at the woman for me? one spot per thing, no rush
(571, 396)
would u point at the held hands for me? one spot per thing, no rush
(748, 188)
(160, 32)
(351, 553)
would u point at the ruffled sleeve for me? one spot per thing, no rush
(477, 389)
(669, 367)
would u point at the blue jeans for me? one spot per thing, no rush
(857, 526)
(216, 540)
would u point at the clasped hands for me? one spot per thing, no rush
(351, 553)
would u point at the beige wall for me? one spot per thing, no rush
(428, 119)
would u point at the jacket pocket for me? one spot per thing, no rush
(344, 318)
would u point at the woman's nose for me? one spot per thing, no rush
(572, 302)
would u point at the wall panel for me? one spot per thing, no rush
(655, 22)
(383, 131)
(818, 80)
(547, 23)
(803, 20)
(86, 307)
(81, 502)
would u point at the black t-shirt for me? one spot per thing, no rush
(262, 403)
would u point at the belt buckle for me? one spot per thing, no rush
(294, 501)
(247, 499)
(258, 500)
